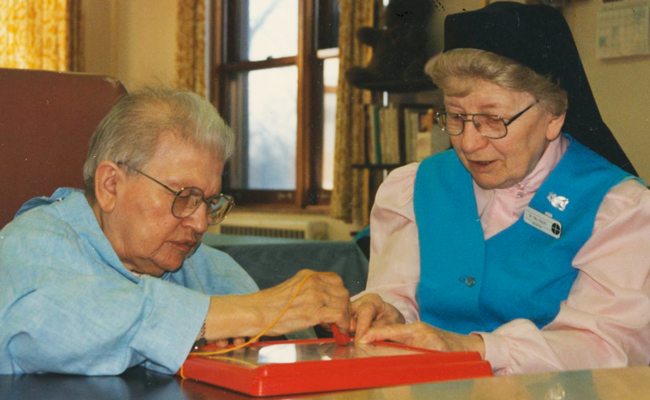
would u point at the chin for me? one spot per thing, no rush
(169, 265)
(487, 184)
(492, 182)
(173, 267)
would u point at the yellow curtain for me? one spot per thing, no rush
(190, 46)
(349, 195)
(41, 34)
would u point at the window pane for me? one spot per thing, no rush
(329, 125)
(331, 72)
(328, 24)
(330, 81)
(267, 28)
(263, 115)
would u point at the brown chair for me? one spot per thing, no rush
(46, 120)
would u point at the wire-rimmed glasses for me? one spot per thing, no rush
(188, 199)
(489, 125)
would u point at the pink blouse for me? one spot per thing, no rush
(605, 322)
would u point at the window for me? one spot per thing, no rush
(275, 77)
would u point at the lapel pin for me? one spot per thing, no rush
(559, 202)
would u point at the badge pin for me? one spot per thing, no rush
(559, 202)
(543, 222)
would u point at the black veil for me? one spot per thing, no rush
(538, 37)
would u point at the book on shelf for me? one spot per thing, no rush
(423, 137)
(372, 134)
(382, 134)
(390, 135)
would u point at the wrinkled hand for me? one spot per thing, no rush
(370, 310)
(321, 300)
(425, 336)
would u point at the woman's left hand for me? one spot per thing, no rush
(422, 335)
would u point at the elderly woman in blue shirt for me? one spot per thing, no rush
(98, 281)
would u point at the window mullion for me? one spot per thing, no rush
(262, 64)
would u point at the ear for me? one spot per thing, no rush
(554, 127)
(107, 177)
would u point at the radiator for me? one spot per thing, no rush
(294, 229)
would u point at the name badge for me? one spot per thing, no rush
(543, 222)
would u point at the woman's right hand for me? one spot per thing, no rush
(320, 298)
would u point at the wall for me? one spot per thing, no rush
(133, 40)
(621, 87)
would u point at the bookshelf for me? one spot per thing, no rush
(400, 133)
(399, 129)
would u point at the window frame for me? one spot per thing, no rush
(309, 62)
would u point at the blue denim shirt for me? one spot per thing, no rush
(67, 304)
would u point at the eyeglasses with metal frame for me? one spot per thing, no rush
(489, 125)
(188, 199)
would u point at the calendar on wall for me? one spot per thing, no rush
(624, 29)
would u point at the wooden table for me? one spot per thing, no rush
(138, 383)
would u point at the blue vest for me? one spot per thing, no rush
(469, 284)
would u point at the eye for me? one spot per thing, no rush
(493, 121)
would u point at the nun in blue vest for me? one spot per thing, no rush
(528, 241)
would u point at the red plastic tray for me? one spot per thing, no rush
(319, 365)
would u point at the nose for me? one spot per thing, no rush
(471, 139)
(198, 220)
